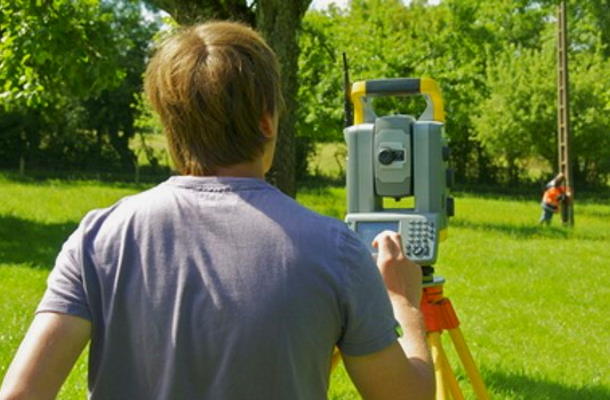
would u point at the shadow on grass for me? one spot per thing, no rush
(518, 231)
(530, 231)
(593, 213)
(320, 182)
(528, 192)
(113, 179)
(30, 242)
(527, 387)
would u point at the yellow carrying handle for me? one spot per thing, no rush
(397, 87)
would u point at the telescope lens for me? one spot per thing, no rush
(386, 156)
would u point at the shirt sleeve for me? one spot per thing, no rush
(369, 323)
(65, 292)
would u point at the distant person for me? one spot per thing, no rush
(215, 285)
(555, 192)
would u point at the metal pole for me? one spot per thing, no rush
(563, 114)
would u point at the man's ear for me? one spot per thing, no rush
(268, 125)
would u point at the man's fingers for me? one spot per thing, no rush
(388, 242)
(381, 239)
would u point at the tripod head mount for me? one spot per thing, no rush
(428, 277)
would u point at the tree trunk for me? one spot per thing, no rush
(279, 21)
(120, 144)
(187, 12)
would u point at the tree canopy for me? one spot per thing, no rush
(70, 77)
(54, 49)
(495, 62)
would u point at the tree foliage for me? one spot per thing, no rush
(68, 74)
(517, 120)
(50, 50)
(70, 77)
(495, 62)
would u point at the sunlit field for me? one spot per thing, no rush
(532, 300)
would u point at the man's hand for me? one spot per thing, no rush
(404, 369)
(402, 277)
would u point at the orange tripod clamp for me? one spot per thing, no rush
(438, 312)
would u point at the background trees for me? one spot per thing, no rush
(495, 62)
(70, 73)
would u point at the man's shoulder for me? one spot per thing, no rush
(124, 209)
(300, 216)
(261, 208)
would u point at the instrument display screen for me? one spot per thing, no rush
(367, 230)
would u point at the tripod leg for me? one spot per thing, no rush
(468, 362)
(446, 384)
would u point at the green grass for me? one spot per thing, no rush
(532, 300)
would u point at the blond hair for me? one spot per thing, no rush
(211, 84)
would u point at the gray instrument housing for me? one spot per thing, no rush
(421, 171)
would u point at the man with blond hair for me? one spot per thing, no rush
(213, 284)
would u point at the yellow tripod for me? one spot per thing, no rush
(440, 316)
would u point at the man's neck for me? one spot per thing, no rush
(252, 169)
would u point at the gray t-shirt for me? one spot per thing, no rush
(217, 288)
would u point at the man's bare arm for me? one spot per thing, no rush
(402, 370)
(45, 357)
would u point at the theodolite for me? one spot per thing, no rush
(399, 156)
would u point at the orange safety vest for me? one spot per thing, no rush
(553, 195)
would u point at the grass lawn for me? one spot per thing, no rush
(531, 300)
